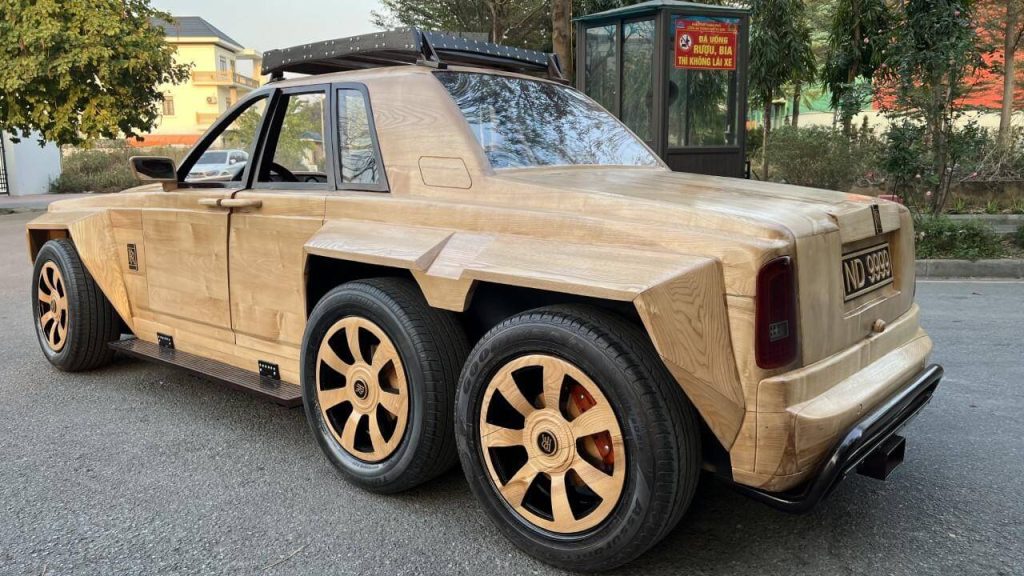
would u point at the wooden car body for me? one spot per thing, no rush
(231, 272)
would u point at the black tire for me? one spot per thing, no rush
(660, 430)
(432, 347)
(91, 321)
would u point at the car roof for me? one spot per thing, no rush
(369, 74)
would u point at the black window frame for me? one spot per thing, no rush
(267, 142)
(214, 132)
(382, 184)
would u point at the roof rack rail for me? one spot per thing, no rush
(407, 46)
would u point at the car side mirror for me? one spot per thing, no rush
(149, 169)
(233, 161)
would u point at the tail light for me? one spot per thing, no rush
(775, 316)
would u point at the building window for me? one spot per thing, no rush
(168, 106)
(222, 63)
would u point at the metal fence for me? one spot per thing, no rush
(3, 169)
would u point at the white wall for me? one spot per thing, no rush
(30, 168)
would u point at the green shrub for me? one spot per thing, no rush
(942, 237)
(94, 171)
(104, 169)
(1018, 236)
(819, 157)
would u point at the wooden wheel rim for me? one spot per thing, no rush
(373, 382)
(52, 303)
(552, 443)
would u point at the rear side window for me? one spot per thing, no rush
(359, 164)
(525, 123)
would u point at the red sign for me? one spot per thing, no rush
(706, 43)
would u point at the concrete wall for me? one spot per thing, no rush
(30, 167)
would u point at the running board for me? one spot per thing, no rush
(283, 393)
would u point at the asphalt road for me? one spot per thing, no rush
(138, 469)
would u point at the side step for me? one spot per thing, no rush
(282, 393)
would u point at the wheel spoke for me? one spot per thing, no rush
(376, 438)
(53, 335)
(348, 435)
(499, 436)
(554, 376)
(331, 398)
(560, 508)
(598, 418)
(46, 318)
(44, 297)
(518, 484)
(383, 354)
(602, 484)
(352, 335)
(328, 355)
(511, 392)
(393, 403)
(45, 273)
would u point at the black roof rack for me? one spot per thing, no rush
(407, 46)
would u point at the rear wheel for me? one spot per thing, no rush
(575, 438)
(74, 320)
(378, 383)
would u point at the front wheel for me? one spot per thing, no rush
(576, 439)
(74, 320)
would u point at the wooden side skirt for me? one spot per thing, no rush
(283, 393)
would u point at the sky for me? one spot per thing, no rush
(267, 24)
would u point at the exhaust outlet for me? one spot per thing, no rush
(880, 463)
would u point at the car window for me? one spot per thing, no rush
(239, 134)
(523, 123)
(355, 140)
(298, 153)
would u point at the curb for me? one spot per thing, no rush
(21, 210)
(1005, 268)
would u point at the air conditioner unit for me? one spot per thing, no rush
(211, 100)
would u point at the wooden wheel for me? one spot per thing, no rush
(362, 389)
(52, 297)
(552, 444)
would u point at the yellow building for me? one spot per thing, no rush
(214, 85)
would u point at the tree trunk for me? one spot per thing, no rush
(764, 142)
(797, 89)
(1009, 72)
(561, 37)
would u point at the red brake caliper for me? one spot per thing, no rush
(599, 446)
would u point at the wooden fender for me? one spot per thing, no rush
(680, 298)
(93, 237)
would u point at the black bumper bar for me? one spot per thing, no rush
(875, 432)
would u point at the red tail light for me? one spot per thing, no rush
(775, 318)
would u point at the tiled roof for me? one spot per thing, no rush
(192, 27)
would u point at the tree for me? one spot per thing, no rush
(857, 35)
(933, 53)
(561, 32)
(522, 23)
(1012, 32)
(78, 71)
(780, 52)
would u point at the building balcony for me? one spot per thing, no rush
(204, 120)
(223, 78)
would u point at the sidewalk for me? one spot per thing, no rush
(34, 203)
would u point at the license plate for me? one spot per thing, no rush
(866, 270)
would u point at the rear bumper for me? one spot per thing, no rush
(873, 433)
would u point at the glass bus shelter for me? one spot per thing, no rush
(675, 73)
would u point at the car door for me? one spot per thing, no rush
(283, 208)
(183, 256)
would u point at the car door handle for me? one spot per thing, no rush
(231, 202)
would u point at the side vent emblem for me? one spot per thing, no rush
(133, 258)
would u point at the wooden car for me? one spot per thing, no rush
(447, 263)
